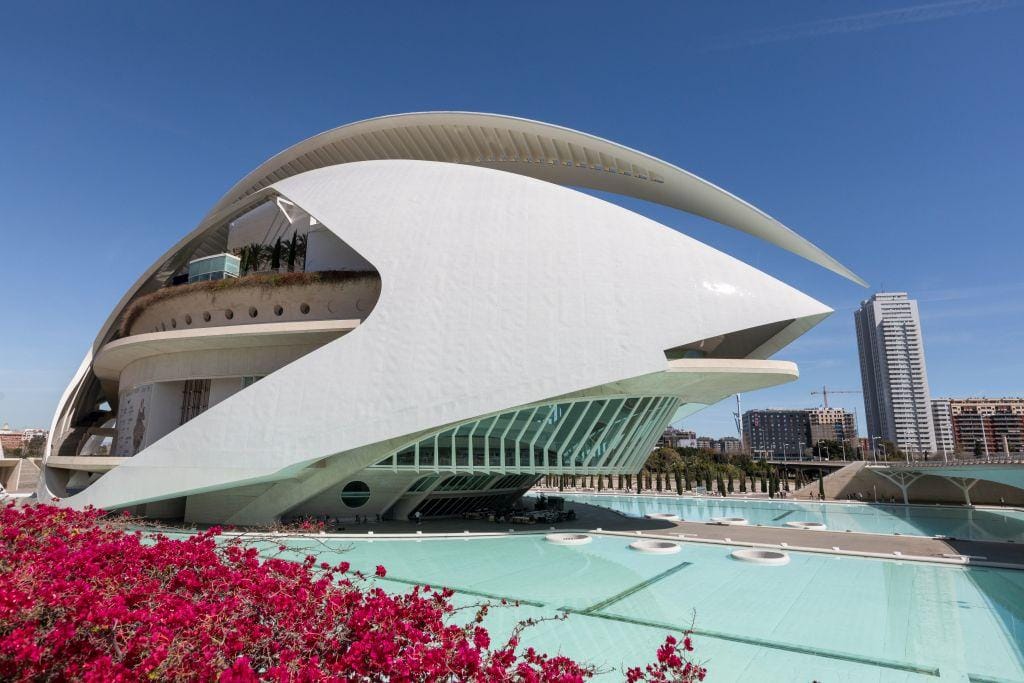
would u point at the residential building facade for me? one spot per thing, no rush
(677, 438)
(10, 439)
(25, 443)
(706, 443)
(982, 426)
(942, 424)
(832, 424)
(893, 372)
(776, 433)
(730, 445)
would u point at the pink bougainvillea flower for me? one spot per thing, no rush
(83, 599)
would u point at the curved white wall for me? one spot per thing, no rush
(497, 291)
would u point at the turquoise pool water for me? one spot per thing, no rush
(821, 617)
(913, 520)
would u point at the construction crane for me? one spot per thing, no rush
(825, 391)
(738, 416)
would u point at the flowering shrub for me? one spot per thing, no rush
(82, 599)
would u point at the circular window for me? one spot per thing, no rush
(355, 494)
(229, 314)
(174, 324)
(206, 316)
(188, 319)
(304, 308)
(253, 312)
(278, 310)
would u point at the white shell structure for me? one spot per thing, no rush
(759, 556)
(663, 516)
(568, 539)
(730, 521)
(653, 547)
(810, 526)
(464, 325)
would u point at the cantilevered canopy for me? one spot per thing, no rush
(540, 150)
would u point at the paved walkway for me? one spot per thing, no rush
(591, 517)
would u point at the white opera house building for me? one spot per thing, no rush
(419, 313)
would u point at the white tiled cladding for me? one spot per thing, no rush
(210, 364)
(497, 291)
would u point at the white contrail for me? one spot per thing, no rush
(865, 22)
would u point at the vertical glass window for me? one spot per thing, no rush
(195, 398)
(579, 438)
(428, 452)
(565, 427)
(444, 448)
(594, 449)
(501, 424)
(462, 445)
(407, 457)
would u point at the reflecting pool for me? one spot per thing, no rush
(821, 617)
(980, 524)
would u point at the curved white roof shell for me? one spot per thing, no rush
(536, 292)
(531, 148)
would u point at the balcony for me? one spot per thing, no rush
(255, 299)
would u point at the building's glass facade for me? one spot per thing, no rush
(216, 267)
(605, 435)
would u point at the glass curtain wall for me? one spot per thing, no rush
(606, 435)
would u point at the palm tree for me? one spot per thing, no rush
(251, 257)
(275, 256)
(292, 247)
(300, 248)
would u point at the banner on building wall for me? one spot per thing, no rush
(131, 421)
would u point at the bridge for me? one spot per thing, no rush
(807, 463)
(964, 474)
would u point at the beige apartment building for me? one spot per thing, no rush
(982, 426)
(833, 424)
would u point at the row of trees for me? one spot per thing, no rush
(288, 253)
(684, 469)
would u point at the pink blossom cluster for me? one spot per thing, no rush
(81, 598)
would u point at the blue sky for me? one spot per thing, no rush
(890, 134)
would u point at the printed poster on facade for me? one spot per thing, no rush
(131, 421)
